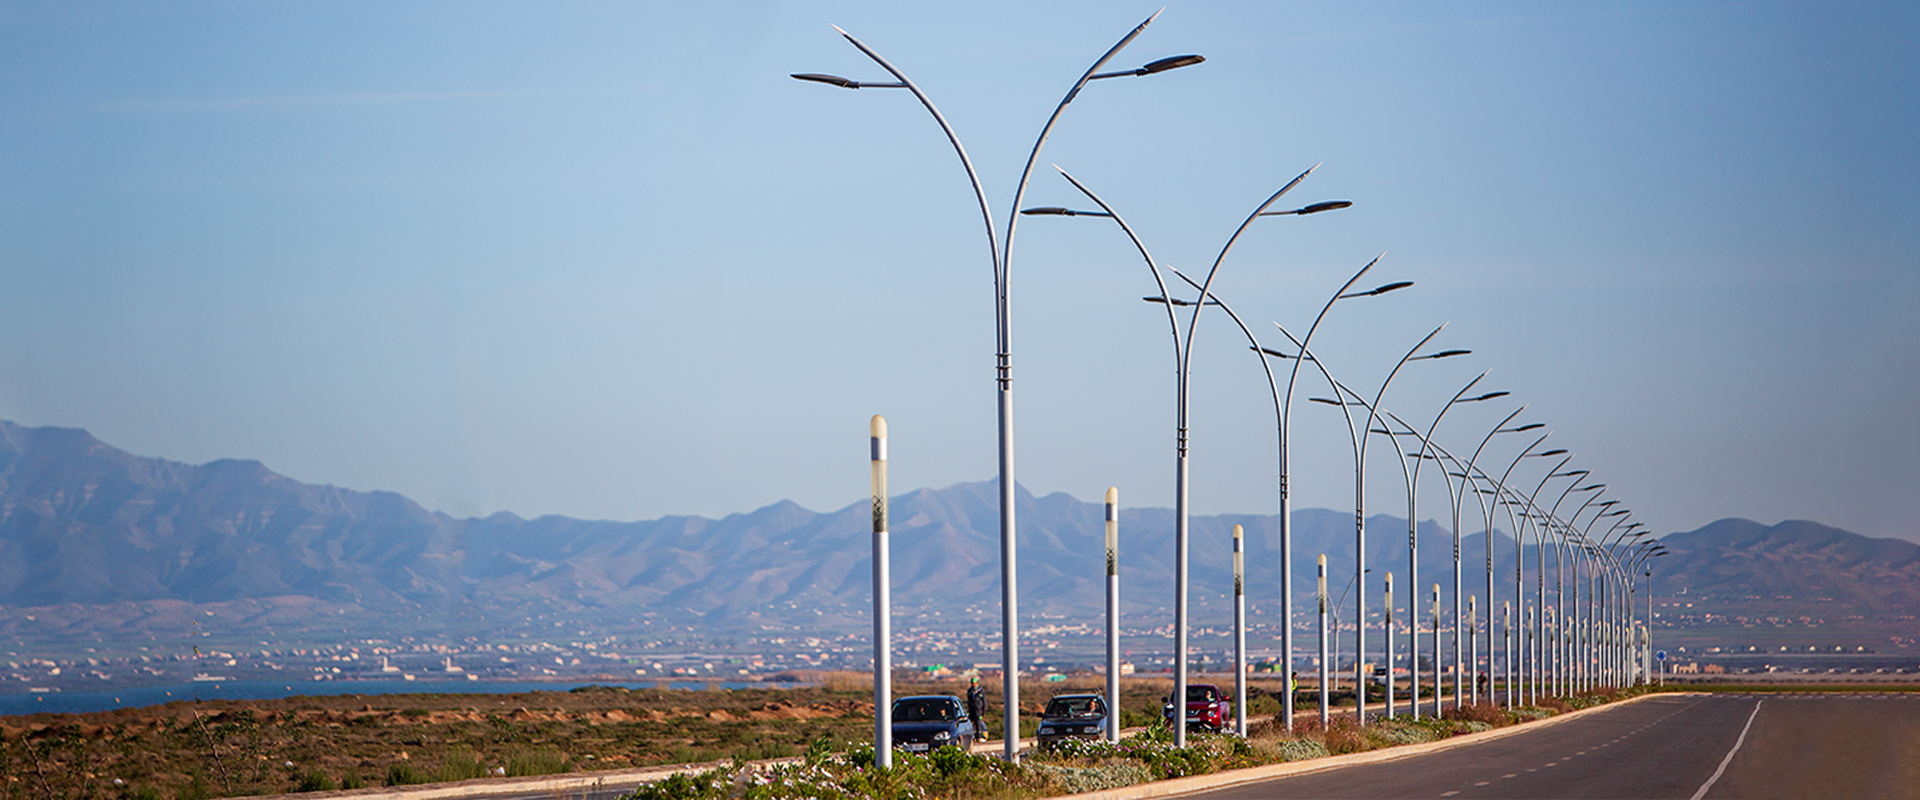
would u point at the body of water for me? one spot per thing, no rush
(80, 702)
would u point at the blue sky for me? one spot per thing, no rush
(609, 261)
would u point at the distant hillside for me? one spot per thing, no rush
(1737, 559)
(82, 522)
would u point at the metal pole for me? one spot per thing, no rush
(1506, 641)
(1387, 644)
(1113, 614)
(1183, 351)
(1003, 331)
(1239, 634)
(1180, 587)
(1325, 696)
(1473, 647)
(882, 605)
(1436, 652)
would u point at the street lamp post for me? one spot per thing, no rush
(1553, 654)
(1183, 355)
(1562, 543)
(1239, 626)
(1286, 415)
(1001, 255)
(1584, 627)
(1516, 666)
(1467, 481)
(1360, 439)
(1487, 514)
(1412, 476)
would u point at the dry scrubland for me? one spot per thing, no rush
(232, 748)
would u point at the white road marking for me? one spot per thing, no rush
(1729, 759)
(1450, 794)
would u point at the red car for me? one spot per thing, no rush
(1207, 707)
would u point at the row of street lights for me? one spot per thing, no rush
(1608, 564)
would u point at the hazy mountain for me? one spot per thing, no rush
(82, 522)
(1737, 559)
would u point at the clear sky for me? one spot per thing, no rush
(609, 261)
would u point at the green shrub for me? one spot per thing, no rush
(1395, 733)
(537, 762)
(314, 780)
(1076, 780)
(352, 781)
(460, 766)
(1302, 749)
(401, 773)
(713, 783)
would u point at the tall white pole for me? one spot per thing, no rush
(1473, 647)
(1113, 614)
(1239, 634)
(1180, 592)
(1506, 642)
(1009, 591)
(1387, 641)
(882, 605)
(1325, 671)
(1436, 652)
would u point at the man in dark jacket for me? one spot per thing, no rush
(977, 709)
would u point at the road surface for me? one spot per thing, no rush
(1804, 747)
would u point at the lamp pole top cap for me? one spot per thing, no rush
(1113, 495)
(879, 427)
(1238, 531)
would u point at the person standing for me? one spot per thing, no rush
(977, 708)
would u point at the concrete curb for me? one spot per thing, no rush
(1220, 780)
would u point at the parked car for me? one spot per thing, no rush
(1207, 708)
(1073, 716)
(929, 722)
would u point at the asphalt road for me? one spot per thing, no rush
(1804, 747)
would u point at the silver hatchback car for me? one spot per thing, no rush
(1074, 716)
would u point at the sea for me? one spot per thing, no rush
(82, 702)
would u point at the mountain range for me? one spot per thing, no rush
(85, 524)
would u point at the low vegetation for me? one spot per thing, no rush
(793, 742)
(1079, 766)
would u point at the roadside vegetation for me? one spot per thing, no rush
(1081, 766)
(810, 741)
